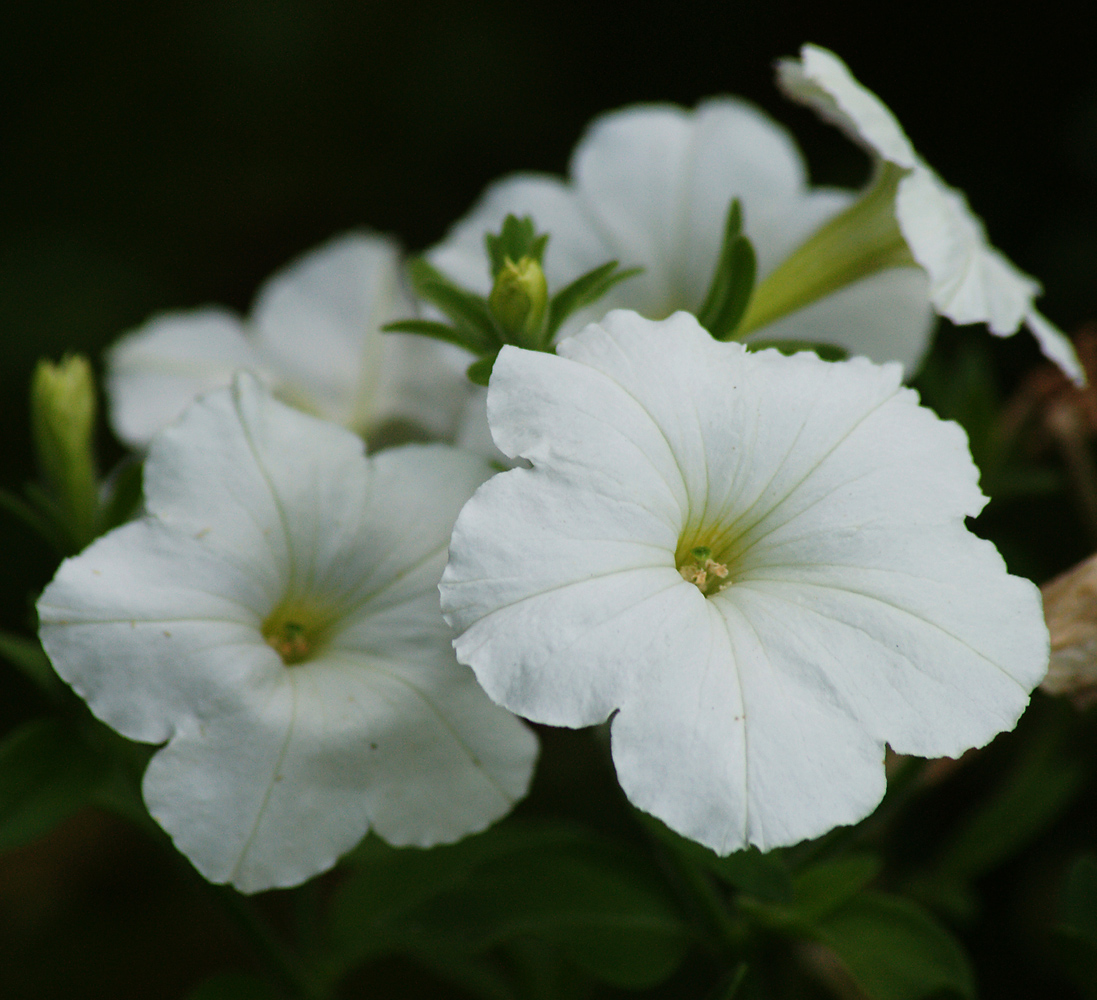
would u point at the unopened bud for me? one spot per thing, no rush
(63, 422)
(518, 300)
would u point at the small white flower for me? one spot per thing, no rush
(313, 337)
(651, 186)
(756, 564)
(274, 619)
(969, 280)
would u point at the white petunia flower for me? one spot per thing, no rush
(969, 280)
(651, 186)
(756, 564)
(313, 337)
(274, 619)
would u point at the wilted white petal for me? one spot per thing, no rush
(275, 619)
(758, 563)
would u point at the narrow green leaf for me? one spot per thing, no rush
(517, 239)
(40, 523)
(429, 328)
(468, 311)
(896, 950)
(46, 774)
(828, 352)
(27, 656)
(584, 290)
(479, 372)
(732, 279)
(125, 495)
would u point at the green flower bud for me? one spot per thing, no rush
(518, 301)
(63, 423)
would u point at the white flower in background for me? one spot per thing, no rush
(651, 186)
(756, 564)
(969, 280)
(313, 337)
(275, 621)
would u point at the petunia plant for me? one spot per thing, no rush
(700, 698)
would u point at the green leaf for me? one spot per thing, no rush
(468, 311)
(517, 239)
(825, 886)
(235, 986)
(764, 876)
(42, 523)
(594, 901)
(1076, 933)
(896, 950)
(584, 290)
(28, 657)
(479, 372)
(828, 352)
(46, 773)
(428, 328)
(125, 494)
(732, 280)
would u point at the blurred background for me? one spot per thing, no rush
(169, 155)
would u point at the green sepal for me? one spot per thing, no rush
(828, 352)
(517, 239)
(732, 281)
(124, 499)
(469, 312)
(479, 372)
(584, 290)
(430, 328)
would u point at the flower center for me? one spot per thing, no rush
(705, 573)
(296, 631)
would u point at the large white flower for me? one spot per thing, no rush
(756, 564)
(651, 186)
(274, 619)
(969, 280)
(313, 336)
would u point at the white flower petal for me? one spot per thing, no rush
(155, 372)
(147, 626)
(319, 320)
(651, 186)
(857, 609)
(821, 80)
(275, 618)
(969, 280)
(270, 796)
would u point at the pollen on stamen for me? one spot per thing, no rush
(290, 642)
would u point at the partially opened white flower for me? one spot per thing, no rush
(757, 565)
(274, 619)
(651, 186)
(313, 337)
(969, 280)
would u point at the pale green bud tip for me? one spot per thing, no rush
(63, 420)
(519, 297)
(63, 400)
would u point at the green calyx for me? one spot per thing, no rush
(518, 310)
(861, 241)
